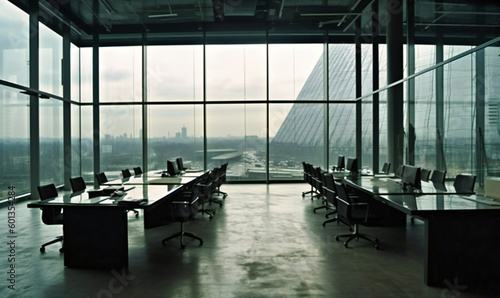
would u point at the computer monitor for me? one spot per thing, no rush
(411, 177)
(352, 165)
(172, 169)
(340, 163)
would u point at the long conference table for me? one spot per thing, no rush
(95, 229)
(462, 230)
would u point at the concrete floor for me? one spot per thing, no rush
(264, 242)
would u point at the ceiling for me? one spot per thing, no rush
(248, 21)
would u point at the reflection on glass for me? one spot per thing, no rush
(236, 133)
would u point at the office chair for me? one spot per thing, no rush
(77, 184)
(353, 211)
(204, 186)
(51, 215)
(126, 173)
(180, 164)
(425, 174)
(137, 171)
(182, 210)
(464, 183)
(386, 168)
(102, 178)
(220, 179)
(307, 178)
(323, 192)
(331, 200)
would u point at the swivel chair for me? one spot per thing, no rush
(51, 215)
(182, 210)
(137, 171)
(353, 211)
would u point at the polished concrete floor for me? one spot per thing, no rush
(264, 242)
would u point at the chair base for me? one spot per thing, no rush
(58, 239)
(356, 234)
(221, 193)
(210, 213)
(181, 234)
(135, 212)
(318, 208)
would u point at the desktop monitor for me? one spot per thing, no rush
(352, 165)
(172, 169)
(411, 177)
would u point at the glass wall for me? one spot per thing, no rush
(51, 142)
(50, 61)
(14, 44)
(14, 141)
(175, 73)
(175, 131)
(120, 138)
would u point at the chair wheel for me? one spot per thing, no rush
(337, 238)
(137, 215)
(345, 244)
(42, 249)
(61, 249)
(376, 246)
(183, 246)
(164, 243)
(201, 243)
(323, 224)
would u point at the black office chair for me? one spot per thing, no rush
(355, 212)
(180, 164)
(205, 187)
(77, 184)
(307, 178)
(386, 168)
(102, 178)
(137, 171)
(220, 179)
(331, 198)
(126, 173)
(464, 183)
(51, 215)
(425, 174)
(182, 210)
(323, 192)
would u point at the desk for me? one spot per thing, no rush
(155, 178)
(95, 230)
(461, 234)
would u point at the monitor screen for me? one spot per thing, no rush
(352, 165)
(411, 176)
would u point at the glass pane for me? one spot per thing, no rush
(120, 74)
(459, 113)
(121, 139)
(236, 133)
(342, 132)
(75, 141)
(290, 66)
(175, 131)
(86, 75)
(14, 142)
(342, 72)
(87, 143)
(296, 135)
(51, 142)
(50, 61)
(75, 73)
(236, 72)
(425, 121)
(14, 44)
(175, 73)
(491, 136)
